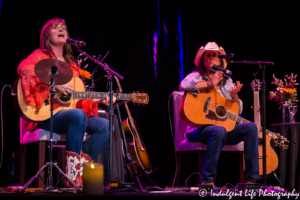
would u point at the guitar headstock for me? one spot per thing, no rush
(142, 98)
(281, 141)
(256, 85)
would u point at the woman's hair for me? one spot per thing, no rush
(201, 66)
(45, 41)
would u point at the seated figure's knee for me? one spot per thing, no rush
(106, 125)
(252, 128)
(81, 113)
(103, 127)
(77, 115)
(219, 132)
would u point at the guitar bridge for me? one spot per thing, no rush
(212, 116)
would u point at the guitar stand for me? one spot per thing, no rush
(135, 176)
(50, 164)
(131, 165)
(50, 189)
(129, 162)
(277, 179)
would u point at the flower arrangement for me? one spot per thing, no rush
(285, 92)
(84, 74)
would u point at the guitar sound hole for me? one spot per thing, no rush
(221, 111)
(64, 98)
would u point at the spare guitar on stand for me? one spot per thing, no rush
(271, 156)
(135, 153)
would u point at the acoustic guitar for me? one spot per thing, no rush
(271, 156)
(210, 108)
(135, 145)
(65, 102)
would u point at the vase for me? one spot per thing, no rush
(289, 111)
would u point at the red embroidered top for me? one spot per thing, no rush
(36, 92)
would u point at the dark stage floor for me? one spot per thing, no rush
(218, 192)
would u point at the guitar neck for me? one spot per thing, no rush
(239, 119)
(134, 130)
(256, 108)
(129, 114)
(235, 117)
(130, 118)
(99, 95)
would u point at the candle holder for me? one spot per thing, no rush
(92, 179)
(289, 111)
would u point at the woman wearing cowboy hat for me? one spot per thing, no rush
(215, 137)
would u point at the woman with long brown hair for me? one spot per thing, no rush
(73, 122)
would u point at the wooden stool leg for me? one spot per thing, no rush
(242, 166)
(178, 155)
(41, 161)
(22, 164)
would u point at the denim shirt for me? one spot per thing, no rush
(189, 82)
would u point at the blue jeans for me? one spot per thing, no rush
(74, 124)
(216, 137)
(98, 128)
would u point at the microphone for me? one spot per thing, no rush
(226, 56)
(76, 42)
(226, 73)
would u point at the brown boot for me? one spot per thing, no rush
(250, 182)
(84, 158)
(73, 169)
(208, 184)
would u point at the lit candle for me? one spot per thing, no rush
(92, 179)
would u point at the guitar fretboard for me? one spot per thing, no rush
(235, 117)
(99, 95)
(256, 108)
(239, 119)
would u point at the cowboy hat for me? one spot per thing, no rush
(210, 46)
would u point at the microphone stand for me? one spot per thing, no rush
(251, 62)
(95, 70)
(263, 107)
(109, 76)
(50, 164)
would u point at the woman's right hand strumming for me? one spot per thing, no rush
(65, 89)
